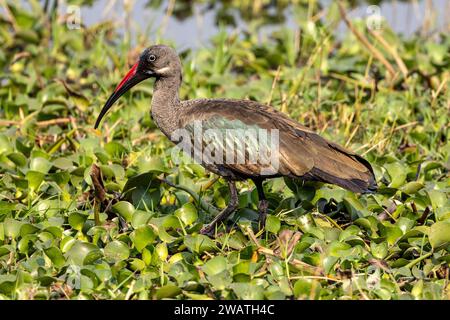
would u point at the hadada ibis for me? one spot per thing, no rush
(301, 152)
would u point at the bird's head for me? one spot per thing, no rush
(158, 61)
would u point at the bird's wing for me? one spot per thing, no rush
(302, 153)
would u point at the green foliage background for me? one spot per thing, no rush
(320, 242)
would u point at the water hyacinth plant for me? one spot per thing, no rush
(88, 214)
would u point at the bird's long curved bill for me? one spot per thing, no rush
(131, 79)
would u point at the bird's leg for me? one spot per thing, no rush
(232, 206)
(263, 204)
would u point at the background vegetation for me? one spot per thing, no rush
(375, 92)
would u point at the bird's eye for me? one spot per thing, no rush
(152, 57)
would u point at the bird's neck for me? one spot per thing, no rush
(166, 104)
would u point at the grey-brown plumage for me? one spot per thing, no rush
(302, 153)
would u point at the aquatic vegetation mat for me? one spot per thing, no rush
(107, 215)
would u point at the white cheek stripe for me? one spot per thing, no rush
(163, 70)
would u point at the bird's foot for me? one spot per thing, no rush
(208, 230)
(223, 215)
(263, 205)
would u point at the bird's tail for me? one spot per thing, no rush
(347, 170)
(359, 185)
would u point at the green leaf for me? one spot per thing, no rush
(12, 227)
(161, 251)
(61, 178)
(338, 249)
(142, 236)
(140, 218)
(24, 243)
(77, 220)
(40, 165)
(412, 187)
(392, 233)
(199, 243)
(18, 158)
(55, 256)
(124, 209)
(168, 291)
(273, 224)
(35, 179)
(438, 198)
(439, 234)
(137, 264)
(83, 253)
(397, 172)
(380, 250)
(143, 191)
(155, 164)
(187, 213)
(355, 207)
(247, 291)
(115, 149)
(63, 163)
(306, 289)
(107, 172)
(7, 283)
(6, 207)
(116, 251)
(246, 267)
(215, 266)
(28, 228)
(5, 144)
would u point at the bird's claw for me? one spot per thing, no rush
(262, 210)
(208, 230)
